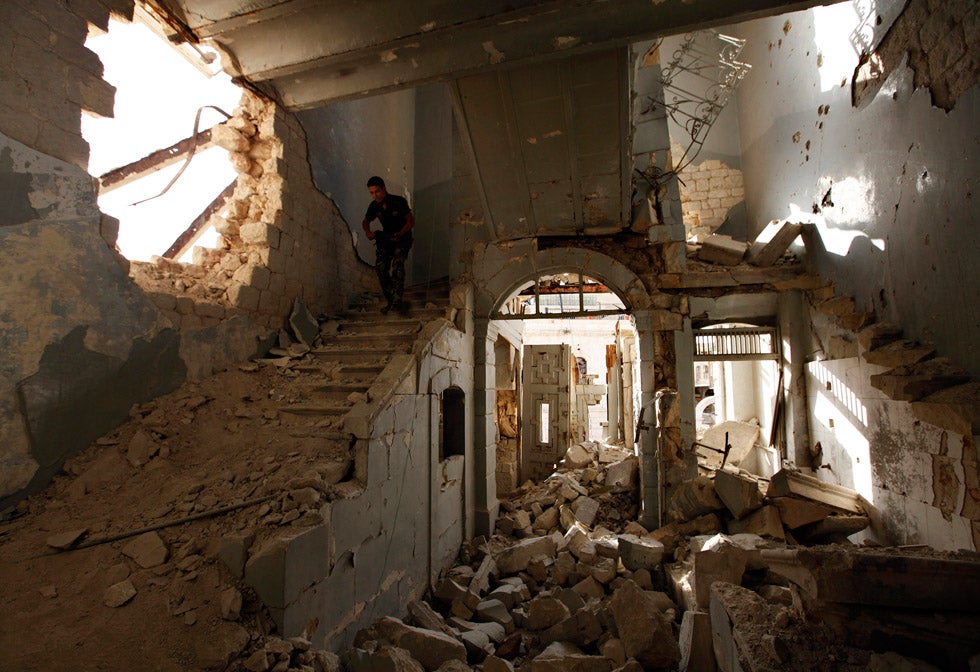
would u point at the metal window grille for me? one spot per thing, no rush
(735, 344)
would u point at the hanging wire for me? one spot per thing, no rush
(190, 154)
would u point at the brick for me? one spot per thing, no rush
(243, 296)
(90, 93)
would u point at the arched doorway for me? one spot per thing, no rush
(497, 295)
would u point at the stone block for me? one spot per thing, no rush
(565, 657)
(546, 611)
(694, 498)
(646, 633)
(286, 565)
(739, 493)
(795, 512)
(516, 558)
(697, 653)
(578, 456)
(494, 611)
(640, 552)
(721, 249)
(622, 474)
(243, 296)
(585, 509)
(718, 560)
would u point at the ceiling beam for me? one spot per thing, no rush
(316, 52)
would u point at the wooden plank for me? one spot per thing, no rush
(785, 483)
(196, 228)
(153, 162)
(769, 253)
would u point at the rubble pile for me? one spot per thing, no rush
(571, 582)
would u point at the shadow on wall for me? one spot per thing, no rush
(888, 187)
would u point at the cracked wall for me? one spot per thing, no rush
(890, 186)
(82, 341)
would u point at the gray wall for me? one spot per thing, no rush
(433, 182)
(349, 142)
(901, 235)
(406, 138)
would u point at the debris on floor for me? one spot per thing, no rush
(571, 582)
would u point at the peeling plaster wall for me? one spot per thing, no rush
(890, 186)
(81, 343)
(921, 479)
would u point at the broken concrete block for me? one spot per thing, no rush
(898, 353)
(480, 582)
(578, 456)
(426, 617)
(495, 611)
(147, 550)
(65, 540)
(538, 567)
(796, 512)
(742, 436)
(738, 492)
(614, 650)
(582, 628)
(764, 522)
(563, 571)
(387, 658)
(955, 408)
(786, 482)
(718, 560)
(721, 249)
(589, 587)
(621, 475)
(477, 643)
(640, 552)
(585, 509)
(495, 664)
(645, 632)
(694, 498)
(141, 448)
(565, 657)
(429, 647)
(604, 570)
(697, 654)
(545, 611)
(606, 547)
(509, 594)
(515, 558)
(911, 383)
(119, 594)
(450, 591)
(832, 529)
(547, 521)
(878, 334)
(231, 604)
(737, 616)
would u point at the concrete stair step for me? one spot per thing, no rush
(369, 337)
(913, 382)
(878, 334)
(955, 408)
(338, 393)
(316, 409)
(899, 353)
(357, 355)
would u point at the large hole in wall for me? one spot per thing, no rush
(160, 88)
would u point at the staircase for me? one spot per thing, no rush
(354, 350)
(940, 392)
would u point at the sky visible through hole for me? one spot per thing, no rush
(158, 93)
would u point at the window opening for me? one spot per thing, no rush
(160, 88)
(544, 422)
(737, 394)
(561, 295)
(452, 425)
